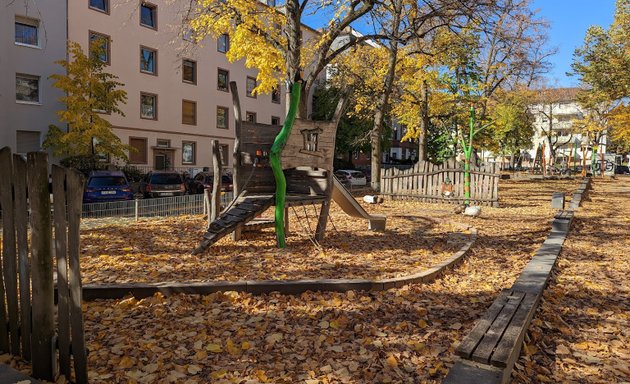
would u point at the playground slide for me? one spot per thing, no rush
(352, 208)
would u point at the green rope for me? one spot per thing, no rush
(276, 165)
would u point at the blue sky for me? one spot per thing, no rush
(568, 20)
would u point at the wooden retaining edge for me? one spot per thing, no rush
(294, 287)
(533, 279)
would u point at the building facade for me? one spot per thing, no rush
(178, 96)
(32, 38)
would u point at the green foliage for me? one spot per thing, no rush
(89, 92)
(353, 130)
(513, 124)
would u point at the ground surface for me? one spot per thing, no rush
(582, 330)
(159, 250)
(404, 336)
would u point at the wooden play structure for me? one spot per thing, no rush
(307, 164)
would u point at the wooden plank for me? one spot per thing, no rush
(61, 238)
(495, 186)
(24, 265)
(7, 221)
(75, 183)
(493, 335)
(216, 180)
(466, 348)
(9, 254)
(509, 346)
(42, 266)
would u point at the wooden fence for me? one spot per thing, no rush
(27, 296)
(430, 182)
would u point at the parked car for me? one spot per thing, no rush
(163, 184)
(622, 170)
(105, 186)
(354, 178)
(204, 180)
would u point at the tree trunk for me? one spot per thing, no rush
(424, 122)
(383, 103)
(293, 32)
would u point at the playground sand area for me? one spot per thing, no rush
(418, 236)
(159, 250)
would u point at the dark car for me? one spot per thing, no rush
(163, 184)
(622, 170)
(105, 186)
(204, 180)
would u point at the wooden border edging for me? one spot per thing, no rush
(258, 287)
(532, 281)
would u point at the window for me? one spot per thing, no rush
(27, 88)
(223, 43)
(148, 106)
(189, 71)
(250, 86)
(223, 79)
(189, 152)
(311, 139)
(275, 95)
(28, 141)
(163, 143)
(222, 118)
(148, 60)
(139, 156)
(148, 15)
(250, 116)
(271, 3)
(275, 120)
(100, 5)
(100, 46)
(26, 31)
(225, 150)
(189, 112)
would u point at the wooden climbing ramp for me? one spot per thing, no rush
(245, 209)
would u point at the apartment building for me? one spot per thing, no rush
(556, 112)
(32, 38)
(178, 92)
(178, 97)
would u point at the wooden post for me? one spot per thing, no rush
(236, 153)
(8, 241)
(206, 205)
(75, 184)
(9, 255)
(41, 239)
(216, 180)
(24, 265)
(61, 238)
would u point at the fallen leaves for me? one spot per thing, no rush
(404, 335)
(580, 333)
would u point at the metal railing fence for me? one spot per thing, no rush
(157, 207)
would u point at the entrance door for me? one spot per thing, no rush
(160, 162)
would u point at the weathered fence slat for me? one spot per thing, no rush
(75, 182)
(9, 255)
(42, 266)
(24, 265)
(60, 224)
(7, 239)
